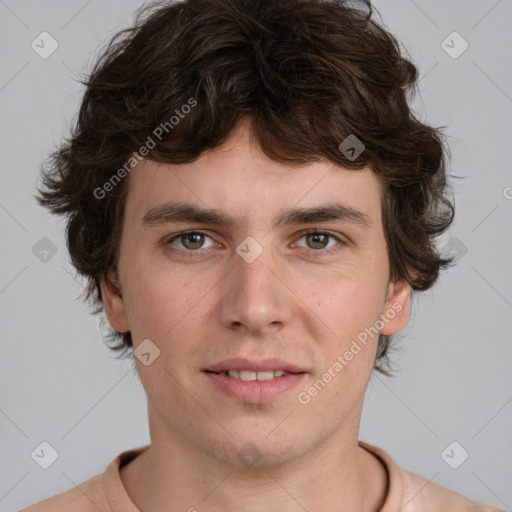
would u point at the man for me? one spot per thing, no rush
(253, 204)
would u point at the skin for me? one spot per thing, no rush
(287, 303)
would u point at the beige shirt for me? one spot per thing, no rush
(407, 491)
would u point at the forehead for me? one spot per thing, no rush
(240, 180)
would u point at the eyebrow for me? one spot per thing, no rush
(184, 212)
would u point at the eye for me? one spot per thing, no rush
(319, 240)
(190, 240)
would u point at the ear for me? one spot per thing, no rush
(397, 307)
(113, 302)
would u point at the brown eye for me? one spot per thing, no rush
(318, 240)
(190, 241)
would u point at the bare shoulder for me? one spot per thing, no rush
(85, 497)
(421, 494)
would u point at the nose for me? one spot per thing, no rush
(256, 297)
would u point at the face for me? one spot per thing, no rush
(260, 293)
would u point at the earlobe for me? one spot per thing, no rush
(113, 302)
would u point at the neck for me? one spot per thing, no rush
(338, 475)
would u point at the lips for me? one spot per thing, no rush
(249, 375)
(254, 380)
(238, 364)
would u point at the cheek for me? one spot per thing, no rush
(346, 302)
(158, 307)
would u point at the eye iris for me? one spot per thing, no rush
(190, 237)
(320, 235)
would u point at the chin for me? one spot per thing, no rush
(259, 450)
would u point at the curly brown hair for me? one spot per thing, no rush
(307, 73)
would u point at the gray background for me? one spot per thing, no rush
(59, 383)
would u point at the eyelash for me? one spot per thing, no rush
(199, 252)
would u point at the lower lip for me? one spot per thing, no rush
(255, 391)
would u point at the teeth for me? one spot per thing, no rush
(248, 375)
(265, 375)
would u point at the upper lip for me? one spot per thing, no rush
(255, 365)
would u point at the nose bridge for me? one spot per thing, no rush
(254, 296)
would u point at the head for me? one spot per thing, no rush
(250, 108)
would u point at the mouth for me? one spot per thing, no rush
(250, 375)
(245, 368)
(254, 381)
